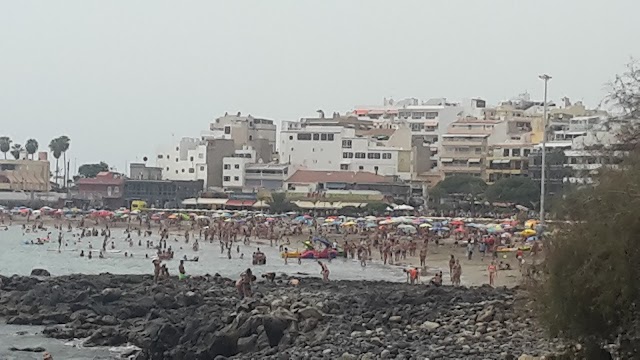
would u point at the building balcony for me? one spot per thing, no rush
(459, 143)
(462, 168)
(461, 155)
(506, 171)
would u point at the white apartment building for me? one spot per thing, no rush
(233, 168)
(336, 148)
(186, 160)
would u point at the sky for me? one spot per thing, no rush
(122, 78)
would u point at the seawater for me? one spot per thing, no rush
(16, 257)
(19, 258)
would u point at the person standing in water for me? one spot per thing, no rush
(457, 273)
(324, 270)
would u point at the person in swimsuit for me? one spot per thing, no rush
(452, 262)
(457, 273)
(182, 274)
(324, 271)
(156, 269)
(493, 272)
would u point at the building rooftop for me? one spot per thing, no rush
(267, 166)
(103, 178)
(312, 176)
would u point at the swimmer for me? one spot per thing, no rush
(90, 256)
(81, 253)
(182, 274)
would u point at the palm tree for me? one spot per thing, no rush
(31, 147)
(64, 146)
(16, 149)
(5, 145)
(55, 148)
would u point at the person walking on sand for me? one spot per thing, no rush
(324, 271)
(156, 269)
(493, 272)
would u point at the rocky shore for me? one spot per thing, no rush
(203, 318)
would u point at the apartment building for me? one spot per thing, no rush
(258, 133)
(184, 161)
(338, 148)
(506, 160)
(234, 167)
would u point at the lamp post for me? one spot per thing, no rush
(546, 79)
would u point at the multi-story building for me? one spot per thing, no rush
(233, 172)
(464, 154)
(25, 175)
(106, 189)
(184, 161)
(506, 160)
(338, 148)
(556, 169)
(258, 133)
(265, 176)
(161, 193)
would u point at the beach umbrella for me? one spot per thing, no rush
(425, 225)
(36, 212)
(459, 230)
(457, 222)
(349, 223)
(530, 223)
(370, 225)
(407, 228)
(185, 216)
(385, 222)
(173, 216)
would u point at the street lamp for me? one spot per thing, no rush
(546, 79)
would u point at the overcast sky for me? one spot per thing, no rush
(120, 77)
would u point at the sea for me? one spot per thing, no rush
(19, 256)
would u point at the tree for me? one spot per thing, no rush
(462, 184)
(65, 142)
(91, 170)
(16, 149)
(516, 190)
(56, 150)
(5, 145)
(279, 203)
(590, 281)
(31, 147)
(376, 208)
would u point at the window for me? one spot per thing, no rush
(346, 144)
(515, 152)
(344, 166)
(176, 171)
(160, 156)
(360, 167)
(416, 126)
(227, 130)
(167, 168)
(226, 178)
(361, 155)
(227, 166)
(236, 166)
(116, 189)
(330, 137)
(373, 156)
(505, 152)
(201, 168)
(250, 137)
(527, 152)
(192, 170)
(386, 156)
(182, 170)
(200, 156)
(323, 137)
(236, 178)
(431, 115)
(290, 137)
(347, 155)
(304, 136)
(316, 137)
(191, 158)
(176, 159)
(177, 148)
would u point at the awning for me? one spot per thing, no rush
(304, 204)
(211, 201)
(261, 204)
(326, 205)
(347, 204)
(474, 160)
(190, 201)
(239, 203)
(446, 159)
(504, 161)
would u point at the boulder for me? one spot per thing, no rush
(429, 325)
(37, 349)
(310, 312)
(247, 344)
(40, 272)
(110, 294)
